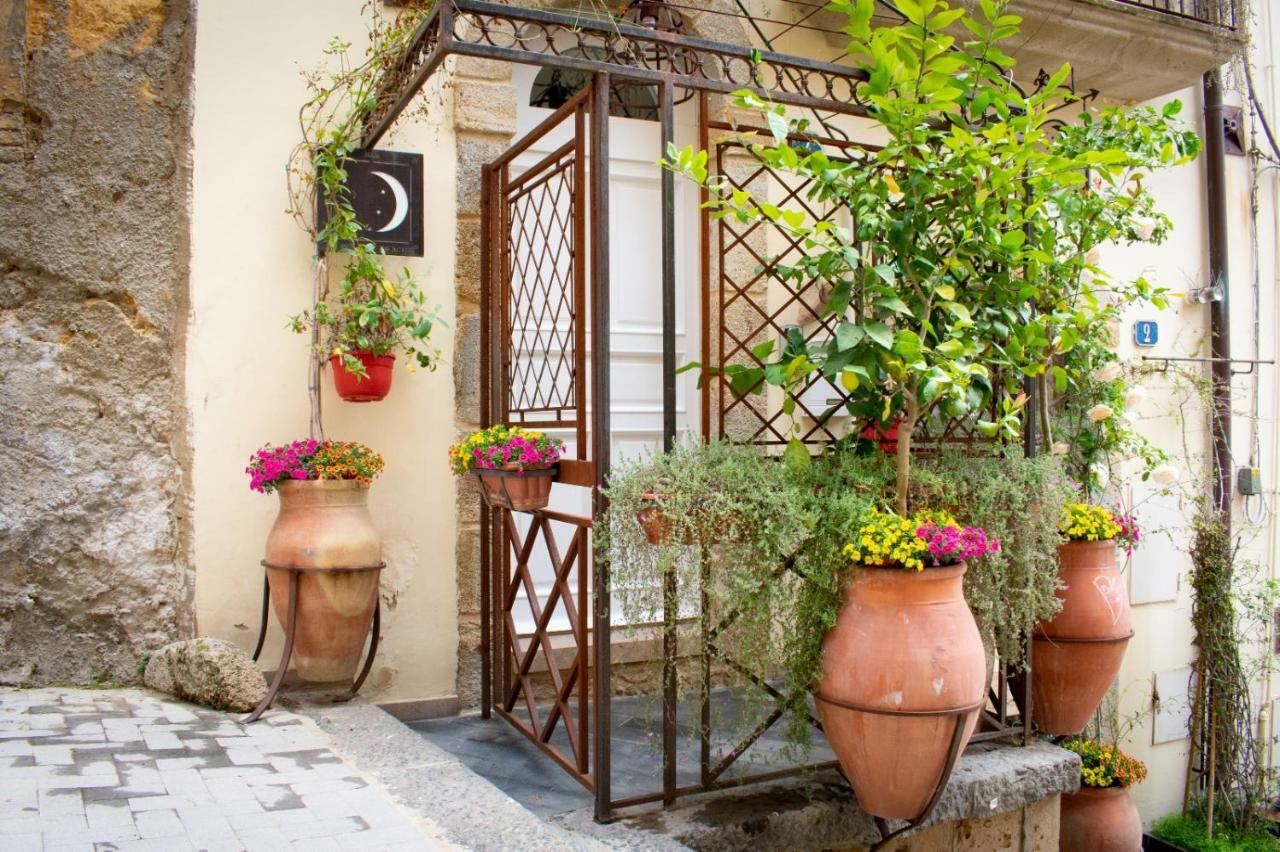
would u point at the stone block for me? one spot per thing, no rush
(466, 368)
(468, 261)
(472, 154)
(468, 550)
(478, 68)
(481, 107)
(211, 672)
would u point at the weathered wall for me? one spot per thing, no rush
(94, 137)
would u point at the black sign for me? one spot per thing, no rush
(386, 193)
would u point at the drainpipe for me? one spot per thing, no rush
(1219, 315)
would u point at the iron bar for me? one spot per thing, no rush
(670, 597)
(600, 424)
(487, 240)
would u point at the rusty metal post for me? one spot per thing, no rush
(600, 425)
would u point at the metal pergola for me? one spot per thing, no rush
(567, 193)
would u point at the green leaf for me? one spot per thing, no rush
(893, 303)
(849, 335)
(796, 455)
(1059, 378)
(777, 126)
(908, 346)
(880, 333)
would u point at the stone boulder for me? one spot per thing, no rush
(211, 672)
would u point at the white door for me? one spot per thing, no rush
(635, 304)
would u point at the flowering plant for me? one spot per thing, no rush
(1105, 765)
(308, 460)
(1084, 522)
(504, 448)
(925, 539)
(1130, 534)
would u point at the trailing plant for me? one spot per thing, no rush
(772, 537)
(1016, 500)
(504, 447)
(270, 466)
(373, 311)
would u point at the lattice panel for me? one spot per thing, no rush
(758, 303)
(540, 259)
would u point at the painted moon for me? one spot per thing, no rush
(402, 202)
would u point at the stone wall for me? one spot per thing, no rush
(94, 462)
(485, 123)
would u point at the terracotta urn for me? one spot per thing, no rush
(902, 665)
(1100, 819)
(325, 525)
(373, 386)
(512, 488)
(1076, 656)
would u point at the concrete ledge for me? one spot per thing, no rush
(820, 812)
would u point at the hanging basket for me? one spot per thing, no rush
(515, 489)
(373, 386)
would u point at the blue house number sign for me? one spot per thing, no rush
(1146, 332)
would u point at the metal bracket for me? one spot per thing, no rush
(1164, 363)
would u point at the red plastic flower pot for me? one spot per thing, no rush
(373, 386)
(886, 439)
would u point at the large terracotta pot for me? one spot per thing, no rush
(326, 525)
(1100, 819)
(1076, 656)
(906, 645)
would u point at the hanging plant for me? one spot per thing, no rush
(374, 315)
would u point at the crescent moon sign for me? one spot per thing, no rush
(402, 201)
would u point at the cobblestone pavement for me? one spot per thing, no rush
(129, 770)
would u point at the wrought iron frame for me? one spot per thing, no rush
(668, 61)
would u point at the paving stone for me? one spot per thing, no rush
(126, 771)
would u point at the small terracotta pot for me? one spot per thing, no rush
(905, 645)
(657, 527)
(373, 386)
(517, 490)
(325, 524)
(1100, 819)
(1076, 656)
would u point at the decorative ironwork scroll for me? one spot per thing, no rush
(626, 51)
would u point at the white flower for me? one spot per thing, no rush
(1134, 396)
(1146, 228)
(1100, 412)
(1092, 256)
(1100, 474)
(1060, 448)
(1165, 474)
(1108, 372)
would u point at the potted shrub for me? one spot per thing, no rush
(1102, 817)
(323, 525)
(372, 318)
(1077, 654)
(516, 466)
(904, 663)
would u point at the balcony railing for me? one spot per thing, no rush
(1217, 12)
